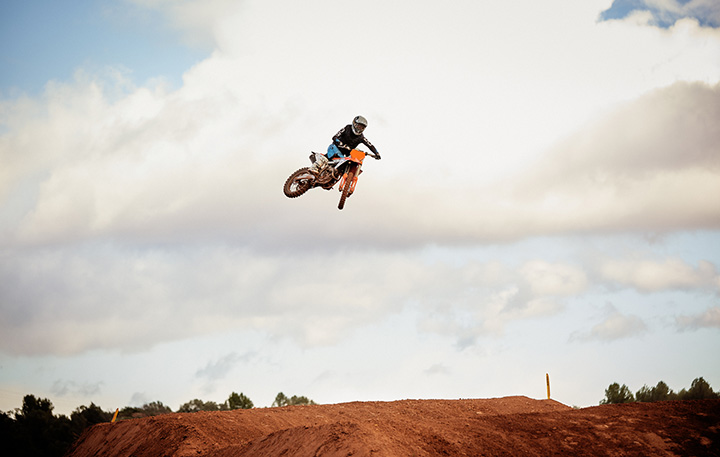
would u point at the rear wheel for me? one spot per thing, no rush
(298, 183)
(346, 188)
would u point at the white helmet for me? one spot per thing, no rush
(358, 125)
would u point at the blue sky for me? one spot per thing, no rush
(45, 41)
(543, 204)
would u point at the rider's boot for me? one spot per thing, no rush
(319, 163)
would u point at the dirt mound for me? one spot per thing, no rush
(509, 426)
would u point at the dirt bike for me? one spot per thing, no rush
(344, 170)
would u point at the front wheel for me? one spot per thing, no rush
(298, 183)
(346, 188)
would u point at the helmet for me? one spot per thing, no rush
(358, 125)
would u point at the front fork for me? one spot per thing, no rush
(354, 181)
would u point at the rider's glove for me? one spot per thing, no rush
(377, 156)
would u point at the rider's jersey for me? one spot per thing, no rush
(346, 140)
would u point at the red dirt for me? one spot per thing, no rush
(512, 426)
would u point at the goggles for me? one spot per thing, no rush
(358, 127)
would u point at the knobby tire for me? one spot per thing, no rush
(295, 187)
(346, 188)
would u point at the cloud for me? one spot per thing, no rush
(547, 279)
(653, 276)
(645, 166)
(484, 306)
(164, 166)
(615, 326)
(71, 300)
(154, 213)
(437, 369)
(673, 128)
(219, 369)
(63, 388)
(105, 159)
(665, 13)
(139, 399)
(709, 319)
(68, 300)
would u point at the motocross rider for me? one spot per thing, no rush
(347, 139)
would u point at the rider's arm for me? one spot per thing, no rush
(370, 145)
(338, 142)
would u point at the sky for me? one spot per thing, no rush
(546, 200)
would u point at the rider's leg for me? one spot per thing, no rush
(320, 162)
(333, 151)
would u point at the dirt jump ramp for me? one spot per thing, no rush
(511, 426)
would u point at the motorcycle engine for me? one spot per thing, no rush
(324, 177)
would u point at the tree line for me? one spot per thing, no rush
(34, 431)
(699, 390)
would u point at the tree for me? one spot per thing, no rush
(196, 405)
(238, 401)
(130, 412)
(699, 390)
(38, 432)
(295, 400)
(155, 408)
(36, 406)
(87, 416)
(10, 435)
(282, 400)
(644, 394)
(661, 392)
(617, 394)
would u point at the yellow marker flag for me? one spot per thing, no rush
(115, 415)
(547, 381)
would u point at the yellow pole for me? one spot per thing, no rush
(547, 381)
(115, 415)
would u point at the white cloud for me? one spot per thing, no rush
(653, 276)
(93, 298)
(184, 172)
(554, 279)
(647, 165)
(615, 326)
(708, 319)
(159, 213)
(665, 12)
(437, 369)
(486, 305)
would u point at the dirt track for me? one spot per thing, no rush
(512, 426)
